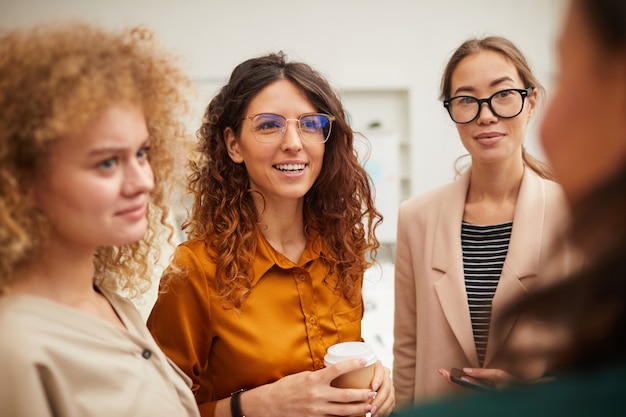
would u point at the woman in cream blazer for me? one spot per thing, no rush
(432, 322)
(503, 186)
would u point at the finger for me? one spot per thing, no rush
(333, 371)
(477, 372)
(386, 406)
(494, 375)
(380, 372)
(348, 408)
(383, 394)
(350, 395)
(444, 373)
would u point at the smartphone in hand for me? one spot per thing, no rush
(459, 377)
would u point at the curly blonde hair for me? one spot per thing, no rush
(56, 77)
(338, 209)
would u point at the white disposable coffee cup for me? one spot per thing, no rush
(360, 378)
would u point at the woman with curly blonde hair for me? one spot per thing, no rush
(282, 228)
(88, 123)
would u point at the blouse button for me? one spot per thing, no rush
(302, 277)
(312, 320)
(146, 354)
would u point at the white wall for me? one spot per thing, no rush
(357, 44)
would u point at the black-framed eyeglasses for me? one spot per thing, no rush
(270, 127)
(505, 104)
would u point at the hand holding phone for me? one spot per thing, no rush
(459, 377)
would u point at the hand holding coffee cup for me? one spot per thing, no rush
(360, 378)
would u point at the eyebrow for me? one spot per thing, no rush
(102, 151)
(114, 149)
(497, 81)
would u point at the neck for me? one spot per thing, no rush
(492, 193)
(283, 227)
(57, 272)
(495, 182)
(64, 274)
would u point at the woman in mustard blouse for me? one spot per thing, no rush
(281, 227)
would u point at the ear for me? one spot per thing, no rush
(532, 103)
(232, 146)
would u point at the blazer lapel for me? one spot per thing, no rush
(522, 258)
(448, 258)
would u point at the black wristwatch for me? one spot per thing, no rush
(235, 404)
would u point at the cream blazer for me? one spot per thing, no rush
(432, 325)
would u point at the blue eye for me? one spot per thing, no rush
(268, 125)
(311, 123)
(143, 152)
(108, 163)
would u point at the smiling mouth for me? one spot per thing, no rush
(290, 167)
(137, 212)
(489, 135)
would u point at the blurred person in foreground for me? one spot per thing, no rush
(584, 318)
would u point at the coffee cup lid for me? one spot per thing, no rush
(349, 350)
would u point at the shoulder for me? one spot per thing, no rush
(551, 188)
(194, 252)
(26, 343)
(431, 200)
(121, 304)
(554, 193)
(542, 195)
(192, 268)
(554, 196)
(23, 330)
(196, 245)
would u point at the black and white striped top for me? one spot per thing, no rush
(484, 251)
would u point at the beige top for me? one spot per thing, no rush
(58, 361)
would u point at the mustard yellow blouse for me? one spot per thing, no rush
(291, 316)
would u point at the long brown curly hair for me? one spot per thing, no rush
(56, 77)
(338, 209)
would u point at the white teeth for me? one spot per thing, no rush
(290, 167)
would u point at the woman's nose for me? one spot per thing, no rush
(138, 177)
(292, 138)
